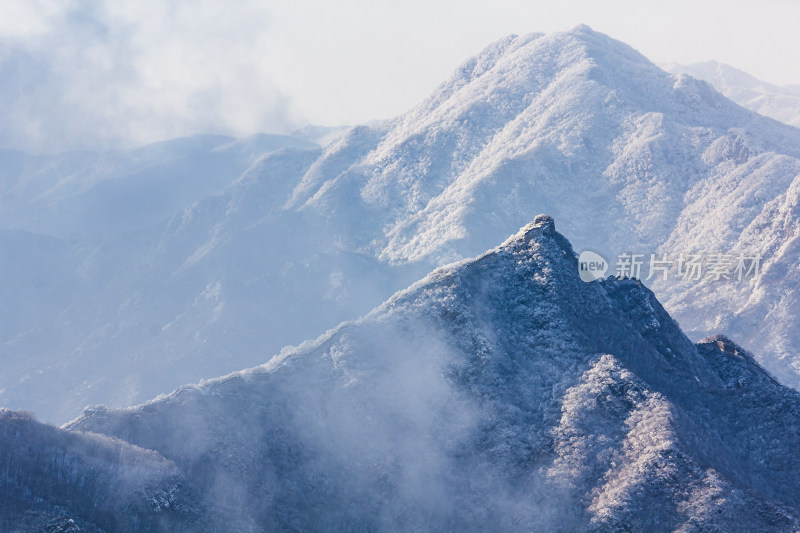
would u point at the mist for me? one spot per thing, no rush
(103, 75)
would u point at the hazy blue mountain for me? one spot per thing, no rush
(780, 103)
(321, 135)
(103, 194)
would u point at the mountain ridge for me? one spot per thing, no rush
(527, 396)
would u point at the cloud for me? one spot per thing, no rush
(99, 74)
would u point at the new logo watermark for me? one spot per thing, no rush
(591, 266)
(684, 266)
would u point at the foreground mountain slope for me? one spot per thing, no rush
(57, 481)
(780, 103)
(573, 123)
(500, 393)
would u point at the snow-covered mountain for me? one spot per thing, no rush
(780, 103)
(500, 393)
(631, 158)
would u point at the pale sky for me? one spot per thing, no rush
(90, 73)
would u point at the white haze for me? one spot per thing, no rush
(103, 74)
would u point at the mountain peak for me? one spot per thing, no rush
(581, 28)
(541, 229)
(724, 343)
(542, 225)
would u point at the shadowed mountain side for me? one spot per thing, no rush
(58, 481)
(498, 393)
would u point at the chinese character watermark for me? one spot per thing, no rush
(694, 266)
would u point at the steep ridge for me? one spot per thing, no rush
(498, 393)
(634, 160)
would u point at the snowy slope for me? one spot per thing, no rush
(780, 103)
(500, 393)
(572, 123)
(765, 309)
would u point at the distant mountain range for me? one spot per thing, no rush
(105, 194)
(113, 294)
(499, 393)
(779, 102)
